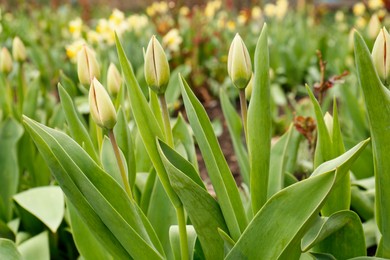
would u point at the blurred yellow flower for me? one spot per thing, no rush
(93, 37)
(73, 49)
(360, 22)
(137, 22)
(172, 40)
(359, 9)
(106, 31)
(117, 17)
(381, 13)
(375, 4)
(231, 25)
(256, 12)
(75, 27)
(242, 18)
(281, 9)
(212, 7)
(157, 8)
(184, 11)
(270, 10)
(339, 16)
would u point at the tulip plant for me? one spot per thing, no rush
(131, 178)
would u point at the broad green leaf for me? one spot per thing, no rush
(322, 256)
(234, 124)
(280, 153)
(273, 233)
(377, 100)
(126, 144)
(76, 127)
(89, 247)
(147, 191)
(343, 228)
(228, 241)
(218, 169)
(155, 107)
(46, 203)
(36, 247)
(174, 238)
(259, 124)
(147, 124)
(102, 192)
(10, 133)
(203, 211)
(173, 91)
(367, 258)
(181, 133)
(361, 203)
(8, 250)
(30, 104)
(6, 231)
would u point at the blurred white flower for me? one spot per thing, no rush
(75, 27)
(172, 40)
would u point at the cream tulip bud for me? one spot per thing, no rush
(87, 65)
(101, 108)
(374, 26)
(380, 54)
(239, 63)
(328, 119)
(5, 61)
(114, 80)
(156, 67)
(18, 50)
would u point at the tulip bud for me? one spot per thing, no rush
(18, 50)
(114, 80)
(239, 63)
(380, 54)
(329, 123)
(156, 67)
(87, 65)
(101, 108)
(374, 26)
(5, 61)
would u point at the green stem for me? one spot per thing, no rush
(244, 112)
(120, 163)
(167, 124)
(21, 88)
(9, 98)
(182, 233)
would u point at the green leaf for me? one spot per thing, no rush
(8, 250)
(343, 228)
(108, 159)
(86, 243)
(77, 129)
(377, 100)
(173, 91)
(182, 135)
(203, 211)
(273, 233)
(174, 238)
(259, 124)
(78, 175)
(147, 124)
(46, 203)
(218, 169)
(280, 153)
(36, 247)
(10, 133)
(234, 124)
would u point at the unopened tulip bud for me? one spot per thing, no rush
(87, 66)
(380, 54)
(5, 61)
(329, 123)
(114, 80)
(374, 26)
(18, 50)
(101, 108)
(156, 67)
(239, 63)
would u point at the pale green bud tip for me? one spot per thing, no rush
(380, 54)
(329, 123)
(239, 63)
(114, 80)
(101, 108)
(87, 65)
(18, 50)
(5, 61)
(156, 67)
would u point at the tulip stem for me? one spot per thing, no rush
(244, 112)
(9, 97)
(167, 124)
(21, 88)
(120, 163)
(182, 232)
